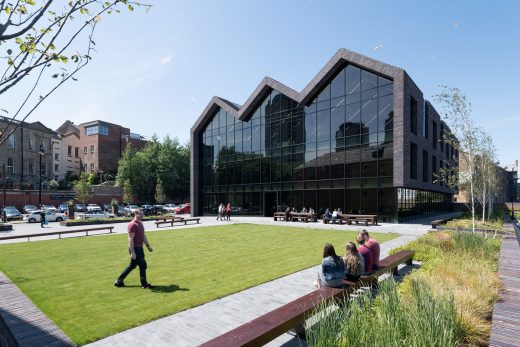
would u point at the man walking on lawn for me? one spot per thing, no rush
(136, 238)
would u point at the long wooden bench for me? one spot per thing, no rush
(363, 218)
(59, 233)
(436, 223)
(292, 315)
(177, 220)
(280, 216)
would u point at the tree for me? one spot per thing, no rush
(160, 196)
(465, 137)
(40, 41)
(83, 188)
(128, 193)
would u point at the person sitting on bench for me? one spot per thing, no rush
(365, 252)
(287, 213)
(304, 210)
(335, 216)
(353, 264)
(374, 248)
(331, 270)
(327, 214)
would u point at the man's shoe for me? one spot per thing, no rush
(119, 284)
(148, 286)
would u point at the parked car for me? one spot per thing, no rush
(29, 208)
(184, 208)
(62, 208)
(80, 208)
(131, 208)
(93, 207)
(122, 211)
(150, 210)
(95, 214)
(49, 208)
(170, 207)
(106, 207)
(11, 213)
(51, 216)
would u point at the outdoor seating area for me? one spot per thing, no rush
(175, 219)
(293, 315)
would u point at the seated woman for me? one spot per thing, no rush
(353, 264)
(331, 270)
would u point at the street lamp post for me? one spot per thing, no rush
(4, 216)
(40, 184)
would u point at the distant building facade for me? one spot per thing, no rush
(360, 136)
(21, 153)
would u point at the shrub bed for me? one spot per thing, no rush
(447, 302)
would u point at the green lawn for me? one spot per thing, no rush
(71, 280)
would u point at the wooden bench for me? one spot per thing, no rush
(438, 222)
(305, 217)
(363, 218)
(59, 233)
(279, 216)
(176, 220)
(269, 326)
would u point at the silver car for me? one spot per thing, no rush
(51, 216)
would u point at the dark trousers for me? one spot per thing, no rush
(138, 261)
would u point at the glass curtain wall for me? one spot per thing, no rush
(414, 203)
(334, 152)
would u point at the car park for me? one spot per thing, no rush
(183, 208)
(95, 214)
(132, 208)
(93, 207)
(106, 207)
(11, 213)
(49, 208)
(80, 208)
(51, 216)
(62, 208)
(29, 208)
(122, 211)
(170, 207)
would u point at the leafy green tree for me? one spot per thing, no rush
(93, 178)
(53, 41)
(83, 188)
(160, 196)
(128, 193)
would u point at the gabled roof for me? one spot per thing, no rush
(338, 61)
(67, 127)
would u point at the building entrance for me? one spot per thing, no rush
(270, 203)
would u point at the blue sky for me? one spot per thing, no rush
(155, 72)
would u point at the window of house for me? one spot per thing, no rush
(425, 172)
(96, 129)
(69, 151)
(56, 167)
(10, 165)
(56, 156)
(84, 167)
(30, 144)
(434, 135)
(43, 169)
(92, 167)
(31, 167)
(413, 160)
(10, 141)
(43, 146)
(92, 149)
(76, 152)
(413, 116)
(85, 150)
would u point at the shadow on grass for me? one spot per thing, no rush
(171, 288)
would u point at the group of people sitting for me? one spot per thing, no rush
(357, 261)
(335, 215)
(289, 210)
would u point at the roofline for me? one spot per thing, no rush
(339, 59)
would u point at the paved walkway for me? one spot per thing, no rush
(505, 330)
(197, 325)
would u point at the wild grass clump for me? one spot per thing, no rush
(447, 302)
(390, 320)
(496, 221)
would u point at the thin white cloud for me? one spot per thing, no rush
(435, 57)
(167, 60)
(456, 24)
(193, 99)
(378, 47)
(504, 120)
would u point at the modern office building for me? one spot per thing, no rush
(360, 136)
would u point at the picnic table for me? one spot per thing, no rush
(304, 217)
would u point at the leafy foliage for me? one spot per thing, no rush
(166, 162)
(83, 188)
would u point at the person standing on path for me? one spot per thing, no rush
(228, 211)
(136, 238)
(42, 218)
